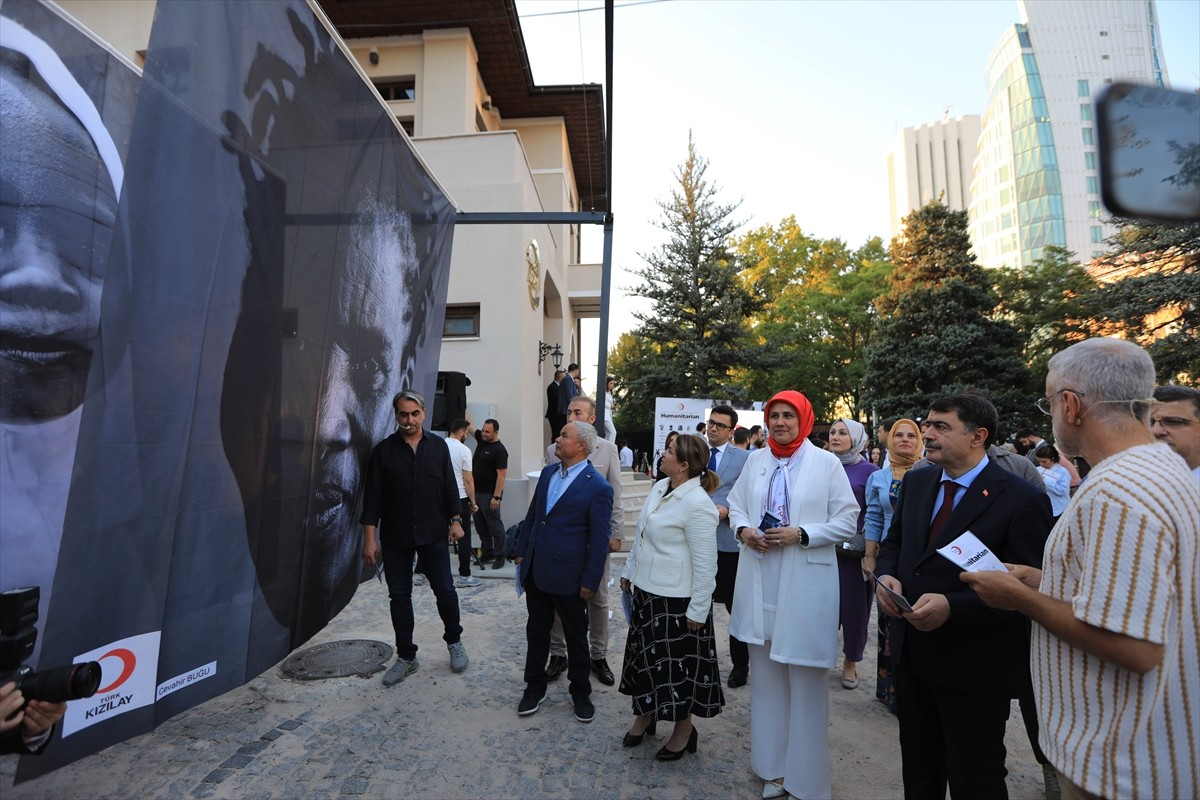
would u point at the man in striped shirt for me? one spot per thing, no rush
(1116, 654)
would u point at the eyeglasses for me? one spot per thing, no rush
(1171, 422)
(720, 426)
(1043, 403)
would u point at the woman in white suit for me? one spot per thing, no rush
(791, 507)
(670, 667)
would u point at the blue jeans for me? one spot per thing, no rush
(398, 571)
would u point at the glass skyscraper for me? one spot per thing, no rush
(1035, 181)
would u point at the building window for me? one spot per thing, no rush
(407, 124)
(1097, 234)
(397, 89)
(1083, 89)
(1088, 136)
(1085, 112)
(1089, 160)
(1093, 209)
(1093, 185)
(462, 322)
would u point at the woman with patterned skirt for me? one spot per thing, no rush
(670, 667)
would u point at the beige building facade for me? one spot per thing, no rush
(931, 161)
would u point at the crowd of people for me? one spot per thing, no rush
(799, 535)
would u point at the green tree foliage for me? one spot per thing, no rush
(938, 334)
(1050, 302)
(697, 332)
(819, 315)
(636, 362)
(1154, 300)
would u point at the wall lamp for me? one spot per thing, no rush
(554, 351)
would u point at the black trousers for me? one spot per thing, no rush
(490, 526)
(434, 560)
(572, 610)
(557, 421)
(949, 736)
(464, 544)
(727, 564)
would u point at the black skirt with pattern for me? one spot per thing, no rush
(669, 671)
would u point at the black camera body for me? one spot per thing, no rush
(18, 633)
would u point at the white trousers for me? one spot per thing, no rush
(610, 432)
(789, 719)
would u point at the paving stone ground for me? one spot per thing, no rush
(442, 735)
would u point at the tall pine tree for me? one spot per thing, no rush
(938, 333)
(697, 329)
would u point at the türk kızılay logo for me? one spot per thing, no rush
(128, 674)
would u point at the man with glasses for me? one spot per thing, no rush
(1116, 650)
(1175, 420)
(727, 461)
(410, 489)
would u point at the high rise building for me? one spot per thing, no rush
(931, 161)
(1035, 180)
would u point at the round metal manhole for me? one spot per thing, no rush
(361, 657)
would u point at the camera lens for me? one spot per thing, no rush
(60, 684)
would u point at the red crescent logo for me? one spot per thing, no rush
(957, 550)
(128, 662)
(681, 406)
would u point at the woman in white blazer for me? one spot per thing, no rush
(670, 667)
(791, 507)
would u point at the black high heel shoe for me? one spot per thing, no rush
(665, 754)
(632, 740)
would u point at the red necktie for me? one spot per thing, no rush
(943, 514)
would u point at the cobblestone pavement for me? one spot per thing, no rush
(442, 735)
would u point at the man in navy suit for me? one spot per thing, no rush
(727, 461)
(560, 555)
(957, 662)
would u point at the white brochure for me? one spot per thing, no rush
(971, 554)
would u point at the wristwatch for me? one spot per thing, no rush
(457, 519)
(497, 497)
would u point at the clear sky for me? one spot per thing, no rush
(794, 104)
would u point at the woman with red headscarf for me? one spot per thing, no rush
(790, 509)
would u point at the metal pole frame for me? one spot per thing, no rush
(604, 218)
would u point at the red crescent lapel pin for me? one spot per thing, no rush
(985, 494)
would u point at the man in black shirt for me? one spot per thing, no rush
(490, 468)
(411, 489)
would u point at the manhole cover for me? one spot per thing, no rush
(338, 659)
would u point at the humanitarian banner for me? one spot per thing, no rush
(275, 270)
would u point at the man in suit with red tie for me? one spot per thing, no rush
(560, 554)
(957, 662)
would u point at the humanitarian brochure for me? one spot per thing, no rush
(971, 554)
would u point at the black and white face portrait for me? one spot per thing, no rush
(368, 361)
(58, 205)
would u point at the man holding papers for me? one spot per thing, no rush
(957, 662)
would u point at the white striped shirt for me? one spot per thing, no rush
(1124, 554)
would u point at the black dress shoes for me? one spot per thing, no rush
(634, 739)
(737, 677)
(664, 754)
(603, 673)
(555, 667)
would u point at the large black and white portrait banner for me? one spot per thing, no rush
(214, 278)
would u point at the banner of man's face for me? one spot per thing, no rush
(214, 280)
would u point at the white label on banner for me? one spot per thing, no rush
(186, 679)
(129, 669)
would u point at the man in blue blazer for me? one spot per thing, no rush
(727, 461)
(560, 555)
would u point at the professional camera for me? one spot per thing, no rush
(18, 632)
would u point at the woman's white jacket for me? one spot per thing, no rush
(674, 553)
(806, 606)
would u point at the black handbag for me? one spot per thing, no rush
(856, 547)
